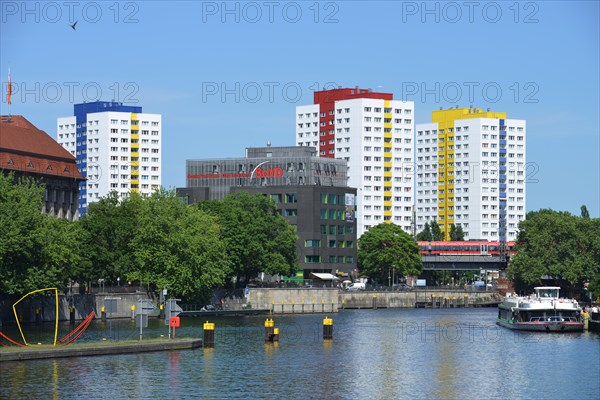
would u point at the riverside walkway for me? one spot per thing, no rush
(34, 352)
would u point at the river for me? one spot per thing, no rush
(375, 354)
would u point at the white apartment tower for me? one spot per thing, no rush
(374, 134)
(117, 148)
(471, 171)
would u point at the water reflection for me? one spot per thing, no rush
(383, 354)
(55, 379)
(447, 335)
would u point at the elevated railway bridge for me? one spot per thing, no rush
(449, 262)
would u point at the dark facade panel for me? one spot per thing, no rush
(326, 237)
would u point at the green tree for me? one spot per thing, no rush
(36, 250)
(557, 245)
(584, 212)
(456, 233)
(59, 254)
(425, 234)
(257, 238)
(460, 233)
(109, 229)
(436, 233)
(20, 218)
(594, 287)
(178, 247)
(387, 247)
(452, 232)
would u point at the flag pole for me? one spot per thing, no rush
(9, 94)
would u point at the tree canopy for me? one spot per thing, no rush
(178, 247)
(385, 247)
(556, 245)
(456, 233)
(156, 240)
(36, 250)
(431, 232)
(257, 238)
(584, 212)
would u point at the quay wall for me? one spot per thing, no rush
(332, 300)
(419, 298)
(279, 300)
(294, 300)
(43, 308)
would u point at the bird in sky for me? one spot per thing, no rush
(73, 26)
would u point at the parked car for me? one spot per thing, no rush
(357, 286)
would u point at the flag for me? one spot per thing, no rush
(9, 88)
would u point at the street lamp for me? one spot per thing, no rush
(118, 281)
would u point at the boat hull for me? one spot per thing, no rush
(543, 326)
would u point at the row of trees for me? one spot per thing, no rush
(156, 240)
(161, 241)
(432, 233)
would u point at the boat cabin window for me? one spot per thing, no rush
(547, 292)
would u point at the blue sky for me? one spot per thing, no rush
(226, 76)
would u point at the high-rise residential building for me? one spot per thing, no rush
(471, 171)
(374, 134)
(309, 191)
(117, 148)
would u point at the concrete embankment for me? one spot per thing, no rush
(332, 300)
(305, 300)
(419, 298)
(89, 349)
(43, 308)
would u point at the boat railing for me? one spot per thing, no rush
(553, 319)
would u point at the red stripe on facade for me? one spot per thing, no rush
(326, 100)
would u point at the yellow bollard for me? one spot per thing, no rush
(269, 330)
(327, 328)
(209, 334)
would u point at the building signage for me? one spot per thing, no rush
(269, 172)
(275, 172)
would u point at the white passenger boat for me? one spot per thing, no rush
(543, 311)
